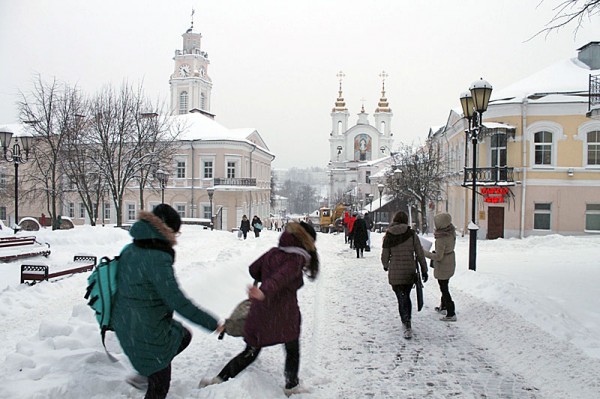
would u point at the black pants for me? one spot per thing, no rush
(402, 292)
(447, 302)
(359, 252)
(159, 382)
(249, 355)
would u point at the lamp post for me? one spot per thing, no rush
(17, 155)
(474, 103)
(162, 177)
(211, 192)
(370, 201)
(380, 187)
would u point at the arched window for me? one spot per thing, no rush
(340, 126)
(202, 101)
(543, 148)
(183, 102)
(593, 148)
(382, 126)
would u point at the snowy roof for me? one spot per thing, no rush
(567, 77)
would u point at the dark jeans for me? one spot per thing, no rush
(447, 302)
(402, 292)
(360, 252)
(159, 382)
(249, 355)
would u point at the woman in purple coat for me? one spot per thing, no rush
(274, 316)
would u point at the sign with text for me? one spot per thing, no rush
(494, 195)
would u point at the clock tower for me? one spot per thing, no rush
(190, 83)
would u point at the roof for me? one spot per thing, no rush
(564, 81)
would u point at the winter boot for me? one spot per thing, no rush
(209, 381)
(440, 309)
(448, 318)
(137, 381)
(407, 330)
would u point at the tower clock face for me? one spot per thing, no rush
(184, 70)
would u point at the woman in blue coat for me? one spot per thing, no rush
(147, 295)
(274, 316)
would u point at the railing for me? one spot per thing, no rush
(236, 181)
(594, 94)
(486, 176)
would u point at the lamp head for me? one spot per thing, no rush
(5, 136)
(481, 91)
(466, 101)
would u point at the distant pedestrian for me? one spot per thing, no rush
(360, 236)
(444, 262)
(369, 222)
(274, 316)
(43, 220)
(245, 226)
(400, 249)
(257, 226)
(351, 221)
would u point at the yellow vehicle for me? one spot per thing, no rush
(328, 217)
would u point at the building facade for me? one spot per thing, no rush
(538, 168)
(358, 152)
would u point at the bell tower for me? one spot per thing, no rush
(190, 84)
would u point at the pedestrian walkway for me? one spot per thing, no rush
(357, 339)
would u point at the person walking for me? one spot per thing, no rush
(274, 316)
(245, 226)
(257, 226)
(360, 236)
(369, 222)
(444, 262)
(400, 249)
(147, 295)
(351, 221)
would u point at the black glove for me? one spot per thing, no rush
(425, 277)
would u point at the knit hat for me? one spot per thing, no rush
(168, 215)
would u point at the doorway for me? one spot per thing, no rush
(495, 222)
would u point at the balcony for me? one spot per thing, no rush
(235, 181)
(496, 176)
(594, 97)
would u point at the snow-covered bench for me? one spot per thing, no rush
(16, 247)
(32, 273)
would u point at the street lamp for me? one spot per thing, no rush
(162, 177)
(380, 187)
(17, 155)
(370, 201)
(211, 192)
(474, 103)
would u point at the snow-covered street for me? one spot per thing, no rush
(518, 335)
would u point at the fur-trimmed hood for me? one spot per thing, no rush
(150, 226)
(295, 235)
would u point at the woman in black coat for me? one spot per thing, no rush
(245, 226)
(361, 236)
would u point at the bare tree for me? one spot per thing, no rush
(50, 111)
(417, 177)
(569, 12)
(132, 139)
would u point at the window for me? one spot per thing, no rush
(180, 169)
(230, 170)
(368, 177)
(130, 212)
(81, 210)
(206, 212)
(180, 210)
(498, 158)
(2, 213)
(543, 148)
(202, 101)
(2, 180)
(592, 217)
(107, 210)
(71, 209)
(542, 215)
(208, 169)
(183, 102)
(593, 148)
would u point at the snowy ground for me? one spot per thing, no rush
(528, 324)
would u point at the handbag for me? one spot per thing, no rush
(258, 226)
(234, 324)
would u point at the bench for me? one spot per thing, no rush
(30, 274)
(22, 247)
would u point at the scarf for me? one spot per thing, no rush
(450, 230)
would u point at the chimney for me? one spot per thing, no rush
(590, 55)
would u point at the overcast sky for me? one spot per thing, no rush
(274, 63)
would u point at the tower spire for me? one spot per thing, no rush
(383, 105)
(192, 23)
(340, 104)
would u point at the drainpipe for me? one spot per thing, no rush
(193, 177)
(523, 165)
(250, 204)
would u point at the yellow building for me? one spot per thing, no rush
(538, 156)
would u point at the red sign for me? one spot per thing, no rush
(494, 195)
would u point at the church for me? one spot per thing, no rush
(359, 154)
